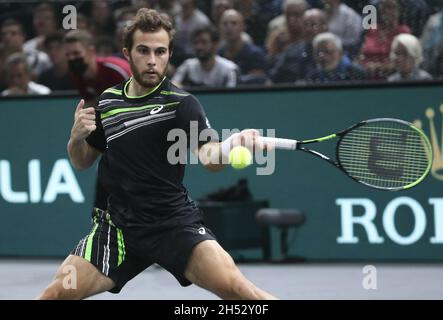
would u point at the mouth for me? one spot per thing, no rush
(151, 73)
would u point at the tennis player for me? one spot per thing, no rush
(150, 217)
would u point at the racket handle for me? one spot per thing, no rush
(279, 143)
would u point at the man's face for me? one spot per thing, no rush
(13, 37)
(231, 26)
(328, 56)
(75, 50)
(294, 17)
(56, 52)
(44, 22)
(314, 24)
(149, 57)
(18, 76)
(203, 46)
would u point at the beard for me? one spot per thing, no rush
(203, 56)
(139, 76)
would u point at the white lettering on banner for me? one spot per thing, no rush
(35, 181)
(62, 180)
(389, 221)
(366, 220)
(437, 203)
(6, 185)
(348, 219)
(62, 171)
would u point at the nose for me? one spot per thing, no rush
(151, 59)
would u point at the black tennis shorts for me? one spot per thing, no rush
(121, 254)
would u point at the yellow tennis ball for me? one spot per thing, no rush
(240, 157)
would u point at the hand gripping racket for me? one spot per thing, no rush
(387, 154)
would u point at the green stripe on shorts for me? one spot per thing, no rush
(89, 243)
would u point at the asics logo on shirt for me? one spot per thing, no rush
(156, 110)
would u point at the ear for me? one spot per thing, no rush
(170, 54)
(126, 53)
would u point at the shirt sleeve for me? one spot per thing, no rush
(97, 137)
(192, 119)
(179, 75)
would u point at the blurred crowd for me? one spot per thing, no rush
(223, 43)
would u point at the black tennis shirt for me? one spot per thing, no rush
(144, 188)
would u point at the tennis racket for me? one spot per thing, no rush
(387, 154)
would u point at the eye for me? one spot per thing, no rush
(161, 52)
(142, 50)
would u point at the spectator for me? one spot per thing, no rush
(256, 16)
(170, 7)
(100, 13)
(44, 21)
(345, 23)
(250, 58)
(292, 11)
(331, 63)
(91, 74)
(122, 17)
(291, 30)
(18, 76)
(432, 42)
(407, 56)
(377, 43)
(83, 22)
(218, 8)
(298, 59)
(13, 38)
(57, 77)
(208, 68)
(186, 23)
(414, 14)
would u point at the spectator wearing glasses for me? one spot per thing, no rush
(331, 63)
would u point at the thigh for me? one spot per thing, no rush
(111, 251)
(77, 278)
(174, 247)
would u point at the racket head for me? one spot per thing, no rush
(385, 153)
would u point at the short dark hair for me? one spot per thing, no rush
(82, 36)
(13, 22)
(213, 33)
(56, 37)
(147, 20)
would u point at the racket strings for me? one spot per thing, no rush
(385, 154)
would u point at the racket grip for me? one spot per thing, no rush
(279, 143)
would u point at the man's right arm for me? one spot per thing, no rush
(81, 154)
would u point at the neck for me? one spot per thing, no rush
(208, 64)
(136, 89)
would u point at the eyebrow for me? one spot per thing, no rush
(146, 47)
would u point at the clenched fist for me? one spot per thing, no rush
(84, 122)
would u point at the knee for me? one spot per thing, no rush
(236, 286)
